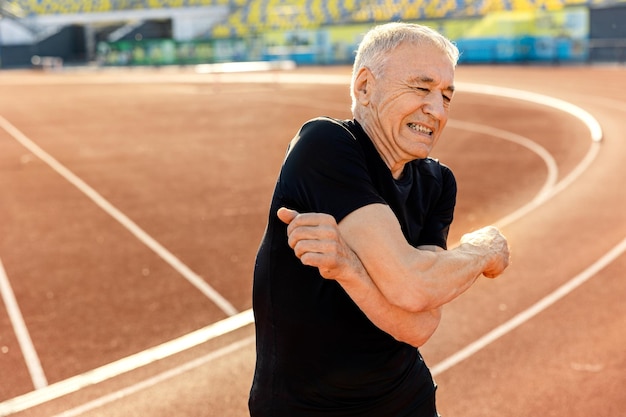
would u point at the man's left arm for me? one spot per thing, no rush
(317, 238)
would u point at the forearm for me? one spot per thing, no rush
(444, 277)
(415, 279)
(448, 274)
(403, 298)
(414, 328)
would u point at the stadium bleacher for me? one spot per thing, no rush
(46, 7)
(261, 15)
(249, 17)
(305, 31)
(257, 16)
(319, 10)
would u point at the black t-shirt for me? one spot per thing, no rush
(317, 353)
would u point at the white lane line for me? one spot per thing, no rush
(126, 364)
(562, 105)
(246, 317)
(548, 159)
(114, 212)
(560, 186)
(592, 124)
(532, 311)
(21, 332)
(162, 377)
(596, 137)
(595, 130)
(550, 187)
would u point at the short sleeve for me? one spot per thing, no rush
(325, 171)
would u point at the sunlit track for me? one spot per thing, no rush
(175, 346)
(540, 151)
(33, 363)
(552, 191)
(160, 378)
(527, 361)
(584, 116)
(531, 311)
(550, 188)
(127, 364)
(124, 220)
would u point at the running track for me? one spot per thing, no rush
(132, 203)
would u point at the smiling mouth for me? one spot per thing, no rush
(420, 128)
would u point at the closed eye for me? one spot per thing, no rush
(418, 86)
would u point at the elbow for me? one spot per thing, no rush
(422, 330)
(411, 301)
(415, 341)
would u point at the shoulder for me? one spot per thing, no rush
(323, 134)
(326, 127)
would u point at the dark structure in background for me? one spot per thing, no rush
(607, 34)
(75, 44)
(70, 43)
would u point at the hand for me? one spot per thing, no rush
(494, 245)
(316, 241)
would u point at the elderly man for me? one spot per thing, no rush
(353, 269)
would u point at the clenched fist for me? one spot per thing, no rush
(490, 242)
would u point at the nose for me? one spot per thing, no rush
(434, 105)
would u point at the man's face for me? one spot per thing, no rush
(410, 101)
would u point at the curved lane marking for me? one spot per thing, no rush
(531, 311)
(551, 165)
(193, 278)
(592, 124)
(596, 135)
(72, 384)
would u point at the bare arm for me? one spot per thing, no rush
(316, 240)
(414, 279)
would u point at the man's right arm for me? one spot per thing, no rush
(399, 287)
(410, 278)
(418, 280)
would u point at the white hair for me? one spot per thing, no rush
(377, 43)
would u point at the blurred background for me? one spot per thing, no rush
(52, 33)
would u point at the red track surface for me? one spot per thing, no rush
(191, 161)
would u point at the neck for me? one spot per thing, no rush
(387, 153)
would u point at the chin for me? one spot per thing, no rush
(421, 153)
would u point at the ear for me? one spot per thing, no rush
(363, 86)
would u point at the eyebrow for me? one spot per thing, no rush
(427, 80)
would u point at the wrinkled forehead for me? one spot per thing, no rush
(417, 60)
(429, 49)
